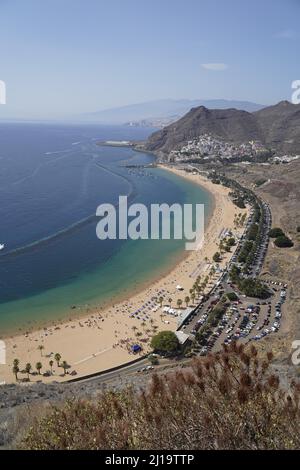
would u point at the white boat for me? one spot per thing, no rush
(2, 246)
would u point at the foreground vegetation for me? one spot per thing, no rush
(230, 400)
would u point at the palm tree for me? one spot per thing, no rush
(40, 348)
(15, 370)
(187, 299)
(193, 296)
(161, 299)
(179, 303)
(28, 369)
(38, 366)
(16, 362)
(51, 366)
(170, 301)
(64, 366)
(57, 357)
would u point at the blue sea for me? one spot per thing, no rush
(52, 179)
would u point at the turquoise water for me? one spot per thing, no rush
(53, 266)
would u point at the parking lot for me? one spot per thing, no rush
(251, 320)
(245, 319)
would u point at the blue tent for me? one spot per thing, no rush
(136, 348)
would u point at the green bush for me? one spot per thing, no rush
(153, 359)
(239, 203)
(276, 232)
(259, 182)
(217, 257)
(283, 242)
(216, 314)
(234, 273)
(165, 341)
(232, 296)
(254, 288)
(231, 241)
(242, 258)
(252, 234)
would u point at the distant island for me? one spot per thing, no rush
(159, 113)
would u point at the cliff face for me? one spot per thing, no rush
(277, 127)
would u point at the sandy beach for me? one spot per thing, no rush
(103, 338)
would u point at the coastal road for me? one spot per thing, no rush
(131, 374)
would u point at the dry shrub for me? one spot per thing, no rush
(229, 400)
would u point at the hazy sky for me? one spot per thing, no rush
(64, 57)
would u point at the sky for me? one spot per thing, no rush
(61, 58)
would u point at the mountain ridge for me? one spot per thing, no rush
(276, 126)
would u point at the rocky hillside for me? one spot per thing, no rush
(281, 126)
(277, 127)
